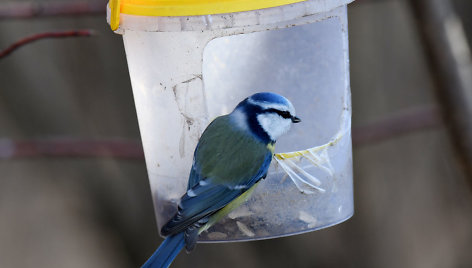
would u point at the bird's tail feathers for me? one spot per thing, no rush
(166, 253)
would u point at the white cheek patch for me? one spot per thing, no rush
(273, 124)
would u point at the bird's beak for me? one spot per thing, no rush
(295, 119)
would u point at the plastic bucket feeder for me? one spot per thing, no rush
(190, 61)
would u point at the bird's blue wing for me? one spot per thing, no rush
(207, 197)
(194, 178)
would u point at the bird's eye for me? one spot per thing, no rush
(284, 114)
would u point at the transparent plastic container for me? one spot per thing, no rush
(187, 70)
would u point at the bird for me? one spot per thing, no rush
(232, 156)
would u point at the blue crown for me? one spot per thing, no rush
(269, 97)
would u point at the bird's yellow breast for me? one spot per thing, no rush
(271, 147)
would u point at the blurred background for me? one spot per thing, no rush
(74, 190)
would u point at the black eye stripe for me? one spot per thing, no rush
(284, 114)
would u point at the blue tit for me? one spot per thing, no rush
(231, 157)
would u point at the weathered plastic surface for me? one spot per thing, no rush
(182, 79)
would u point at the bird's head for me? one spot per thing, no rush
(266, 115)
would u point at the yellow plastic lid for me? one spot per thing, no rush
(186, 7)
